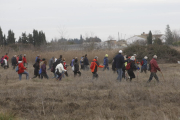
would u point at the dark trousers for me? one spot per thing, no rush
(36, 76)
(143, 69)
(66, 73)
(75, 73)
(82, 66)
(86, 67)
(106, 67)
(153, 74)
(44, 75)
(131, 74)
(95, 75)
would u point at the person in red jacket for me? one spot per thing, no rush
(6, 56)
(21, 70)
(65, 67)
(94, 67)
(154, 68)
(24, 59)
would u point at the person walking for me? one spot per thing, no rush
(24, 60)
(119, 62)
(51, 61)
(65, 66)
(94, 67)
(2, 61)
(59, 70)
(5, 63)
(86, 63)
(76, 68)
(132, 68)
(43, 70)
(144, 64)
(36, 68)
(6, 56)
(81, 62)
(22, 70)
(106, 62)
(153, 69)
(14, 61)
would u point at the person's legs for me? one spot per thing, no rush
(27, 74)
(75, 73)
(156, 77)
(20, 76)
(119, 74)
(66, 74)
(151, 77)
(79, 73)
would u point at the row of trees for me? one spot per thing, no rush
(37, 38)
(76, 40)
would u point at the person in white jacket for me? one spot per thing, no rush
(5, 63)
(59, 70)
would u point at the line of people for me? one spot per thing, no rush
(122, 64)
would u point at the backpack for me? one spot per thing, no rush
(82, 59)
(149, 68)
(17, 68)
(92, 65)
(128, 66)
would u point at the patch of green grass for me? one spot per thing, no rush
(7, 116)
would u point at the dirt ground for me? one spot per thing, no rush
(82, 98)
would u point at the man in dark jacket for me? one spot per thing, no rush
(119, 62)
(76, 68)
(86, 63)
(106, 62)
(14, 61)
(51, 61)
(154, 68)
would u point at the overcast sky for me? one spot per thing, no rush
(88, 17)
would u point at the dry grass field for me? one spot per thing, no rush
(82, 98)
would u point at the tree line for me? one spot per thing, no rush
(37, 38)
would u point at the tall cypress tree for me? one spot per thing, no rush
(168, 35)
(30, 39)
(4, 40)
(24, 38)
(149, 38)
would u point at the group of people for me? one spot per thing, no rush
(130, 64)
(122, 64)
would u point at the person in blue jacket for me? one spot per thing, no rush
(144, 64)
(106, 62)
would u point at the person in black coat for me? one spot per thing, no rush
(86, 63)
(132, 68)
(36, 69)
(76, 68)
(14, 61)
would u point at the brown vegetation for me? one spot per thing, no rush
(82, 98)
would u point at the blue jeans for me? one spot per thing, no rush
(27, 75)
(119, 70)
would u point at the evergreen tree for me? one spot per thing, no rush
(35, 37)
(149, 38)
(4, 40)
(24, 38)
(20, 40)
(10, 38)
(168, 36)
(1, 37)
(30, 39)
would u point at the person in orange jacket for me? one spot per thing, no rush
(94, 67)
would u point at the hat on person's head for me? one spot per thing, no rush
(24, 54)
(155, 56)
(106, 55)
(134, 55)
(96, 57)
(120, 51)
(145, 57)
(132, 58)
(38, 55)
